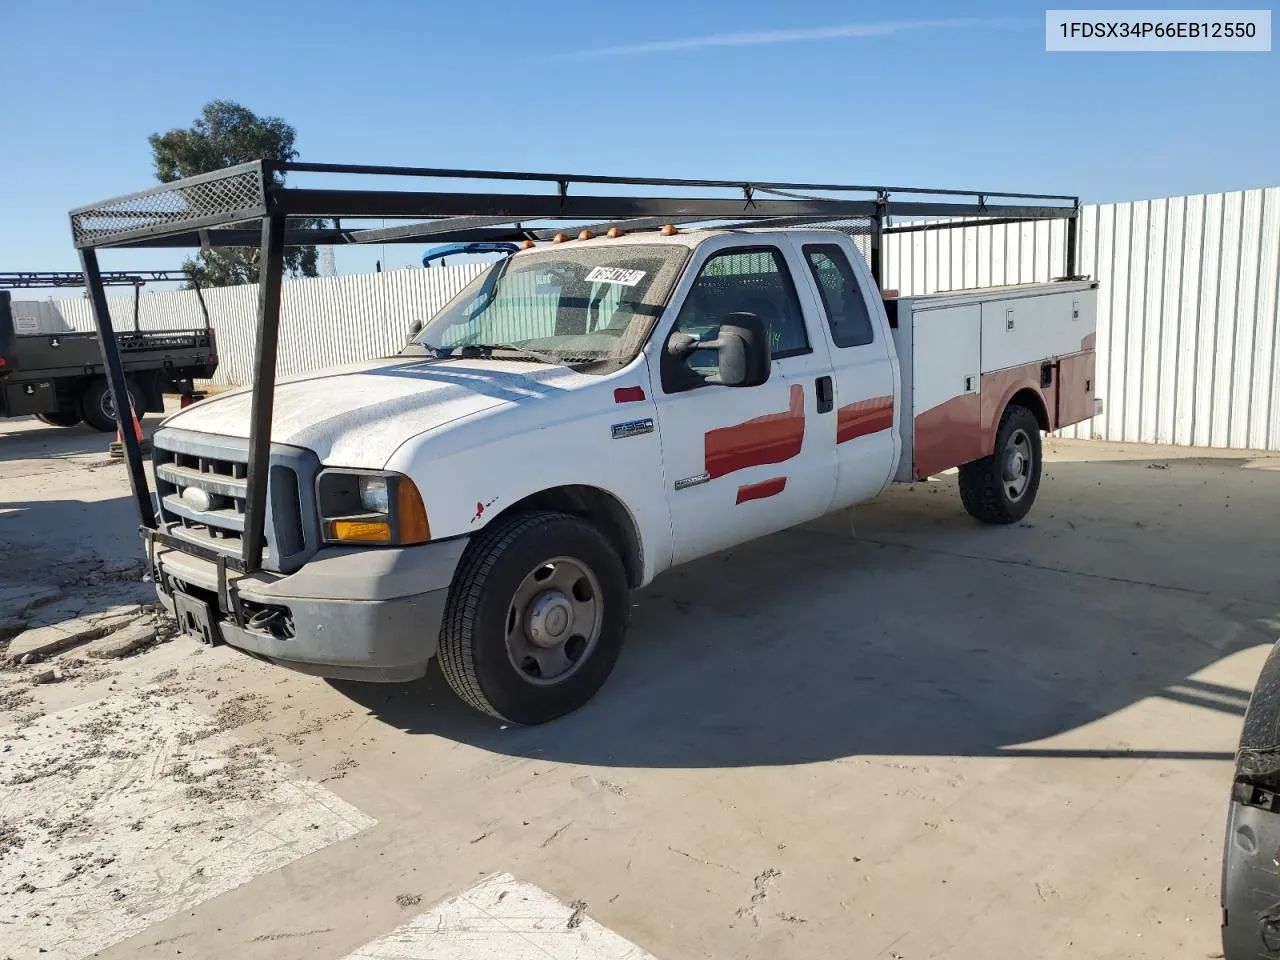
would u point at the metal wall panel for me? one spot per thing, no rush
(1187, 312)
(324, 321)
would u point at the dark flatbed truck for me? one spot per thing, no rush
(60, 377)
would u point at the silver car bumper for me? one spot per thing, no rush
(349, 613)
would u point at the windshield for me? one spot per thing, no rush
(574, 306)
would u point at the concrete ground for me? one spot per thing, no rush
(930, 739)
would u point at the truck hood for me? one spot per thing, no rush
(357, 416)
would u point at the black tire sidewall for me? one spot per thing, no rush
(1017, 418)
(60, 418)
(91, 402)
(505, 688)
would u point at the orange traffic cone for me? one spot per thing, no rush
(116, 448)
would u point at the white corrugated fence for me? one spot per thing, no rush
(1187, 317)
(324, 321)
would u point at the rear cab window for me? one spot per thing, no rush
(842, 298)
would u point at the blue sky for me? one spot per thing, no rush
(903, 93)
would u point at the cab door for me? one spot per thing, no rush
(867, 441)
(742, 462)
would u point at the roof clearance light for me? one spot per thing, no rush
(585, 235)
(614, 233)
(559, 238)
(527, 245)
(669, 230)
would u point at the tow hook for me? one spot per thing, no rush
(276, 621)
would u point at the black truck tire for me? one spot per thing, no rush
(1002, 487)
(1250, 894)
(535, 617)
(60, 418)
(96, 408)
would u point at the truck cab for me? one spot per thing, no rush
(578, 419)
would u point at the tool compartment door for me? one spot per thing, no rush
(946, 386)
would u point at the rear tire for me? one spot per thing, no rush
(1002, 487)
(59, 418)
(96, 408)
(535, 618)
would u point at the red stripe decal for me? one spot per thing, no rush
(866, 416)
(773, 438)
(765, 488)
(628, 394)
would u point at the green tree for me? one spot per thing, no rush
(225, 134)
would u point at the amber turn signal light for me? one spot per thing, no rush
(362, 531)
(411, 515)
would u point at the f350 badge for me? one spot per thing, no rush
(632, 428)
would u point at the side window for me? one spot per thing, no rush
(752, 280)
(846, 309)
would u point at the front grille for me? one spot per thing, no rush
(202, 484)
(219, 522)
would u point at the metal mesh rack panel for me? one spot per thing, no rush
(195, 202)
(858, 229)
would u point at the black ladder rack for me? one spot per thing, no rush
(249, 205)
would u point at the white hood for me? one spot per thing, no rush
(357, 416)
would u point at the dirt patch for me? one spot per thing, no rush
(15, 698)
(238, 711)
(763, 881)
(61, 767)
(10, 838)
(298, 735)
(344, 766)
(232, 774)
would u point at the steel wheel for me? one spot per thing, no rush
(1016, 465)
(1001, 487)
(554, 620)
(105, 407)
(96, 408)
(536, 615)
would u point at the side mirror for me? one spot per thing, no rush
(743, 345)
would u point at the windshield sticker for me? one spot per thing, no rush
(625, 278)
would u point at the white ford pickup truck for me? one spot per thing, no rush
(585, 415)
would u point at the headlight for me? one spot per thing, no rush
(370, 507)
(373, 494)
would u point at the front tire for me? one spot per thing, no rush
(1002, 487)
(535, 618)
(97, 409)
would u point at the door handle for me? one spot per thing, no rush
(826, 396)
